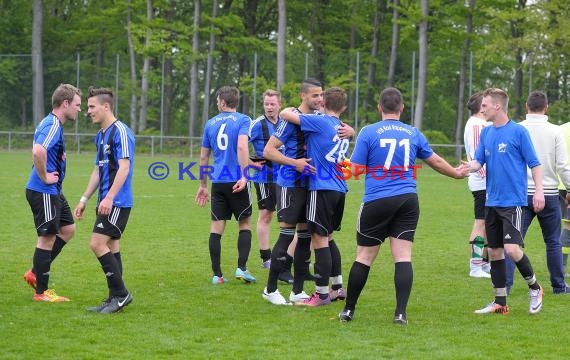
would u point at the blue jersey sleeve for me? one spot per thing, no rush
(360, 152)
(309, 122)
(48, 134)
(424, 150)
(206, 138)
(245, 123)
(284, 131)
(96, 141)
(122, 142)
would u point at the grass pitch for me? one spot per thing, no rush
(177, 313)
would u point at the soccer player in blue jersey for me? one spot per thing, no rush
(386, 152)
(112, 177)
(327, 187)
(291, 198)
(226, 136)
(52, 215)
(506, 148)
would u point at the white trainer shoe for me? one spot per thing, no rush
(479, 273)
(535, 301)
(275, 297)
(300, 297)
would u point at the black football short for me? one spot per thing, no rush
(51, 212)
(394, 216)
(225, 202)
(114, 224)
(291, 204)
(324, 211)
(265, 196)
(503, 226)
(479, 198)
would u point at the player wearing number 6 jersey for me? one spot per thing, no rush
(390, 205)
(226, 135)
(327, 187)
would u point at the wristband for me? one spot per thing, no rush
(83, 199)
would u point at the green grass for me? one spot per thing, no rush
(177, 313)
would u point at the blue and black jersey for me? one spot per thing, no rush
(49, 134)
(113, 144)
(259, 134)
(293, 147)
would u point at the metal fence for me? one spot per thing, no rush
(156, 145)
(146, 144)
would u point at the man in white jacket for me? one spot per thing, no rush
(478, 264)
(550, 147)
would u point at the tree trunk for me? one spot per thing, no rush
(194, 70)
(422, 69)
(462, 80)
(281, 36)
(395, 41)
(133, 70)
(209, 65)
(146, 68)
(371, 78)
(352, 62)
(37, 62)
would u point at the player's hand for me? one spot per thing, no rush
(239, 185)
(303, 166)
(538, 201)
(567, 200)
(202, 196)
(257, 164)
(462, 170)
(79, 210)
(346, 131)
(52, 177)
(105, 206)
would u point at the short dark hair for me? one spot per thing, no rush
(310, 83)
(391, 100)
(537, 101)
(64, 92)
(474, 103)
(230, 95)
(104, 95)
(335, 99)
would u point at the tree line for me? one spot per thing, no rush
(168, 57)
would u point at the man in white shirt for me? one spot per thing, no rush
(478, 264)
(550, 147)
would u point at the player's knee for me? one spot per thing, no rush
(67, 232)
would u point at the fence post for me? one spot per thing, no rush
(152, 146)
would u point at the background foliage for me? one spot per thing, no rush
(518, 45)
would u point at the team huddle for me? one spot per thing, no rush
(309, 144)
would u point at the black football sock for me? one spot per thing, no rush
(215, 253)
(42, 263)
(57, 246)
(356, 280)
(117, 256)
(244, 246)
(403, 280)
(279, 257)
(301, 259)
(499, 280)
(114, 279)
(525, 268)
(322, 267)
(265, 254)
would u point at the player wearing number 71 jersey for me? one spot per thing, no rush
(327, 187)
(390, 205)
